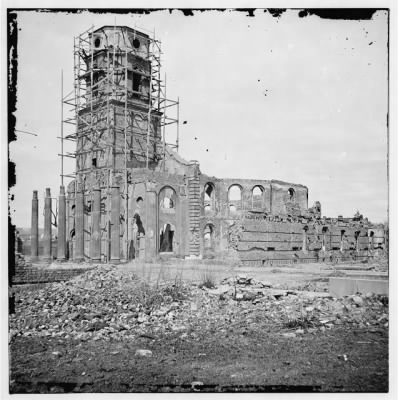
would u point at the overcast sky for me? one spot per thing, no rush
(303, 100)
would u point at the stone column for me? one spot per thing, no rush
(95, 245)
(151, 228)
(141, 251)
(61, 243)
(47, 227)
(115, 225)
(34, 231)
(79, 225)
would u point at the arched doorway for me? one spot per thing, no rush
(166, 238)
(208, 241)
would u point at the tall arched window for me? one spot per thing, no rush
(167, 220)
(235, 198)
(209, 196)
(292, 194)
(208, 236)
(167, 198)
(258, 197)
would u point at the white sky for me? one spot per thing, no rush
(322, 122)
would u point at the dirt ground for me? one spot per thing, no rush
(246, 352)
(338, 361)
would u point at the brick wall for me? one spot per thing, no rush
(29, 273)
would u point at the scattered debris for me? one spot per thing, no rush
(126, 307)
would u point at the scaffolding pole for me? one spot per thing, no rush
(149, 121)
(62, 128)
(164, 128)
(125, 162)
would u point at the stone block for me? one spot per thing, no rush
(339, 287)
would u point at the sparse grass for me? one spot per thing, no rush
(176, 290)
(303, 321)
(275, 270)
(147, 296)
(157, 287)
(207, 279)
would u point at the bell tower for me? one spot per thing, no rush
(118, 106)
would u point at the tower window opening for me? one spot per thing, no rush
(97, 42)
(136, 43)
(136, 82)
(94, 161)
(291, 194)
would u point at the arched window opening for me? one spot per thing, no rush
(167, 198)
(257, 197)
(235, 198)
(208, 236)
(291, 194)
(209, 193)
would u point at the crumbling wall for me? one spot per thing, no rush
(32, 274)
(271, 238)
(258, 197)
(376, 237)
(288, 198)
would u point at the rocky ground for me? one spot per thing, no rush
(111, 330)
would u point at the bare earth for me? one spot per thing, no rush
(275, 329)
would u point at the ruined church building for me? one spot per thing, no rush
(132, 196)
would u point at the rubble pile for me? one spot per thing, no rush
(108, 303)
(299, 309)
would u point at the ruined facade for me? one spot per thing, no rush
(133, 196)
